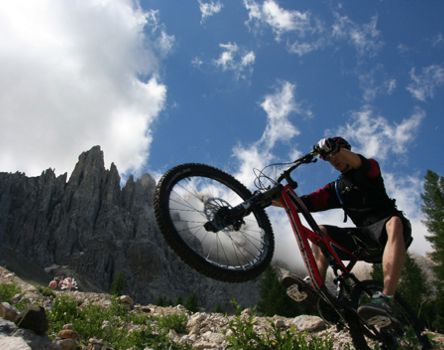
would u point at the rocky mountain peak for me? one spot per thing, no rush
(90, 163)
(92, 228)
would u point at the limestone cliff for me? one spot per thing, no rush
(98, 230)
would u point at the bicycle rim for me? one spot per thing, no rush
(190, 196)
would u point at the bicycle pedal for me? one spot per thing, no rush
(295, 294)
(380, 321)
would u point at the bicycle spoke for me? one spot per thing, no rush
(191, 228)
(185, 203)
(197, 194)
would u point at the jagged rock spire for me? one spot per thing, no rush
(99, 231)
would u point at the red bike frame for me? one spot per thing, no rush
(294, 206)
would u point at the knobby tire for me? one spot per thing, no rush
(188, 196)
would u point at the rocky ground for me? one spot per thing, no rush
(203, 330)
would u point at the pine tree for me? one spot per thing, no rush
(377, 273)
(433, 208)
(413, 285)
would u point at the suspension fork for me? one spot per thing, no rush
(227, 216)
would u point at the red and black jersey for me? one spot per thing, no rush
(360, 192)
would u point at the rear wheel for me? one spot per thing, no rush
(191, 195)
(407, 334)
(356, 329)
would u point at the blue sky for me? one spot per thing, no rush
(237, 84)
(381, 59)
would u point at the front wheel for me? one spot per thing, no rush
(190, 196)
(407, 334)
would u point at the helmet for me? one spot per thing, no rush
(330, 146)
(341, 142)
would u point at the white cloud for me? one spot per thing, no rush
(235, 59)
(371, 89)
(302, 48)
(166, 42)
(280, 20)
(208, 9)
(286, 252)
(197, 62)
(423, 85)
(374, 82)
(162, 41)
(306, 33)
(70, 79)
(390, 85)
(376, 136)
(364, 38)
(438, 40)
(249, 158)
(278, 106)
(407, 192)
(248, 59)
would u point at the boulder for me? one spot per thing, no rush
(34, 318)
(8, 312)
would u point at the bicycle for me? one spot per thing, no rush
(219, 228)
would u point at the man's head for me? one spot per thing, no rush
(337, 151)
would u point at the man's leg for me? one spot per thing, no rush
(378, 311)
(321, 260)
(296, 288)
(394, 255)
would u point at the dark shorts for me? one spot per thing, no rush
(366, 242)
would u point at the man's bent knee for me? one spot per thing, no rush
(323, 228)
(394, 226)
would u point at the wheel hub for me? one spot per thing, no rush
(217, 212)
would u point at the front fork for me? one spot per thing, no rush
(227, 216)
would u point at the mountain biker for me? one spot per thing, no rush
(382, 230)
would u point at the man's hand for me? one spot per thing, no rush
(326, 147)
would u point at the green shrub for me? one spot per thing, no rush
(219, 309)
(244, 337)
(139, 318)
(88, 321)
(119, 284)
(191, 303)
(8, 291)
(176, 322)
(47, 292)
(63, 311)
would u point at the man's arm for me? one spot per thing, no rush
(322, 199)
(369, 168)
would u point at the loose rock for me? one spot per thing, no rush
(8, 312)
(309, 323)
(69, 344)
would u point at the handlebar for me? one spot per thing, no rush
(307, 158)
(264, 198)
(233, 216)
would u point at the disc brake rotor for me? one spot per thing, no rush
(216, 210)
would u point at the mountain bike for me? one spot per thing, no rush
(220, 228)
